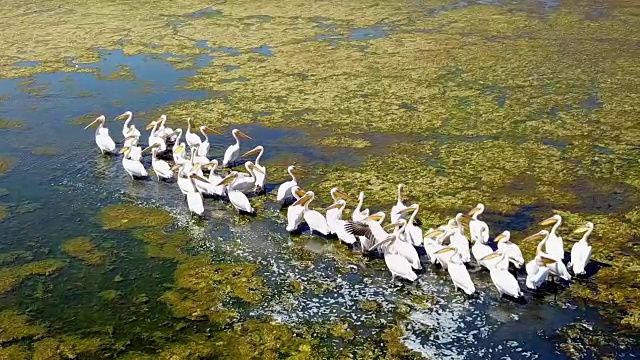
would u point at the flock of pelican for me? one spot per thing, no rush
(447, 246)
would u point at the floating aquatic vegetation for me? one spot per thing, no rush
(110, 295)
(15, 352)
(46, 151)
(10, 277)
(14, 326)
(5, 164)
(4, 212)
(124, 72)
(202, 288)
(12, 257)
(341, 141)
(9, 124)
(370, 305)
(124, 217)
(163, 244)
(580, 340)
(67, 347)
(83, 249)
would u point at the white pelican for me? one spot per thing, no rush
(130, 138)
(397, 264)
(504, 281)
(556, 266)
(135, 150)
(211, 188)
(261, 178)
(359, 214)
(233, 151)
(554, 245)
(314, 219)
(460, 241)
(337, 225)
(478, 229)
(295, 212)
(160, 167)
(164, 131)
(480, 251)
(203, 148)
(178, 153)
(133, 167)
(284, 191)
(197, 158)
(457, 271)
(412, 232)
(334, 213)
(238, 199)
(511, 250)
(404, 248)
(126, 129)
(192, 138)
(153, 136)
(103, 140)
(183, 179)
(581, 251)
(247, 181)
(369, 231)
(399, 206)
(432, 242)
(194, 198)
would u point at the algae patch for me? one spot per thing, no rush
(162, 244)
(344, 142)
(14, 326)
(83, 249)
(6, 124)
(10, 277)
(4, 212)
(125, 217)
(5, 164)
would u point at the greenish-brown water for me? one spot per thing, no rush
(529, 107)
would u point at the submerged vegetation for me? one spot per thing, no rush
(10, 277)
(125, 217)
(83, 249)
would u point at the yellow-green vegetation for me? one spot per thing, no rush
(5, 164)
(83, 249)
(344, 142)
(582, 341)
(10, 277)
(9, 124)
(14, 326)
(45, 151)
(110, 295)
(124, 72)
(370, 305)
(67, 347)
(163, 244)
(124, 217)
(4, 212)
(202, 287)
(14, 352)
(13, 256)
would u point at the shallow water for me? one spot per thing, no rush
(52, 198)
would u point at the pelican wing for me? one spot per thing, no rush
(357, 228)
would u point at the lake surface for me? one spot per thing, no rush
(60, 183)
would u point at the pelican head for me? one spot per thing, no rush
(539, 235)
(432, 234)
(446, 250)
(152, 146)
(339, 204)
(379, 216)
(493, 255)
(552, 220)
(125, 115)
(256, 150)
(125, 150)
(180, 148)
(305, 199)
(477, 210)
(503, 237)
(162, 118)
(337, 193)
(251, 166)
(398, 224)
(584, 228)
(99, 119)
(410, 209)
(237, 132)
(151, 125)
(208, 130)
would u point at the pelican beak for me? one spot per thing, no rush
(473, 211)
(209, 130)
(500, 237)
(227, 180)
(124, 149)
(391, 226)
(121, 117)
(342, 195)
(241, 134)
(198, 177)
(150, 125)
(176, 167)
(549, 221)
(444, 250)
(196, 167)
(303, 200)
(493, 255)
(251, 152)
(92, 123)
(433, 234)
(407, 210)
(374, 217)
(535, 236)
(151, 147)
(179, 149)
(547, 261)
(580, 230)
(300, 192)
(334, 206)
(131, 137)
(388, 240)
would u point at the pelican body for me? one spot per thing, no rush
(458, 271)
(233, 151)
(103, 140)
(261, 177)
(285, 189)
(133, 167)
(581, 251)
(238, 199)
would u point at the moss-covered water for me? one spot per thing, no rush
(529, 107)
